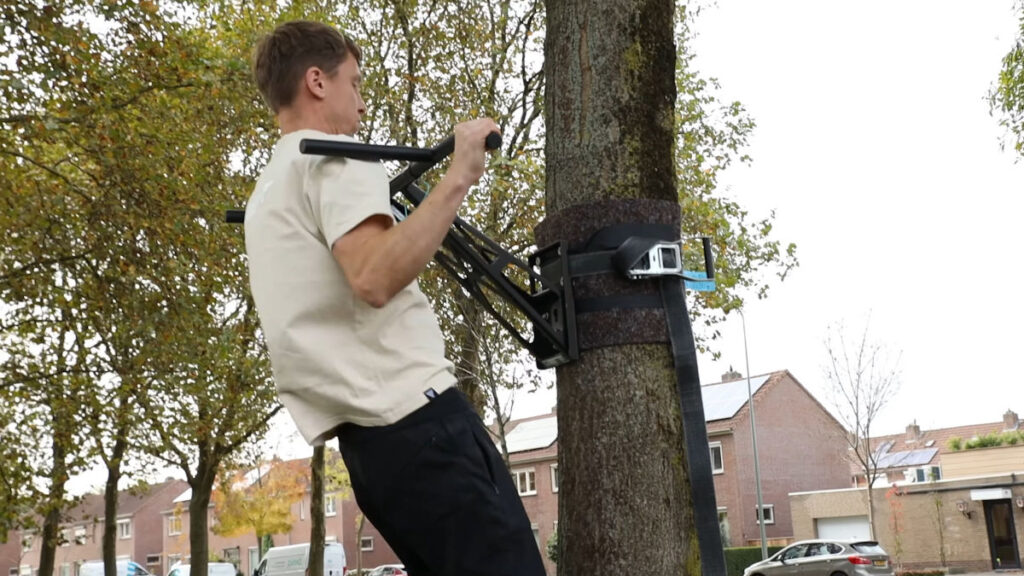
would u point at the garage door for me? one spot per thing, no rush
(843, 527)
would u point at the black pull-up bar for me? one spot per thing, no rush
(423, 159)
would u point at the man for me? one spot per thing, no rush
(355, 348)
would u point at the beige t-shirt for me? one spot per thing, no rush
(335, 358)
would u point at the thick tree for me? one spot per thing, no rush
(611, 125)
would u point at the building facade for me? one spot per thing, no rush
(799, 447)
(139, 522)
(799, 444)
(934, 507)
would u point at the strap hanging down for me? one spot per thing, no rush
(698, 456)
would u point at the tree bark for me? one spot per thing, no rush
(624, 497)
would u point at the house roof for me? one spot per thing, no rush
(91, 507)
(903, 450)
(722, 400)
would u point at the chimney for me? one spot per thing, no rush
(731, 375)
(1011, 421)
(913, 432)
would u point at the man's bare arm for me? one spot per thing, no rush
(379, 259)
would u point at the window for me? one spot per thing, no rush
(526, 481)
(536, 533)
(65, 538)
(717, 462)
(26, 570)
(152, 559)
(554, 478)
(366, 543)
(233, 555)
(254, 558)
(13, 571)
(330, 506)
(769, 513)
(302, 509)
(124, 529)
(929, 474)
(723, 526)
(173, 559)
(26, 542)
(173, 525)
(65, 569)
(80, 537)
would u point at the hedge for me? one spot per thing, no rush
(737, 559)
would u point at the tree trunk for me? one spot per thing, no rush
(198, 512)
(610, 97)
(109, 550)
(55, 501)
(316, 513)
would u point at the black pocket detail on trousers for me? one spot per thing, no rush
(476, 430)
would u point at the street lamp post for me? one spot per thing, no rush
(753, 438)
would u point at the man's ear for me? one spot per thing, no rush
(314, 82)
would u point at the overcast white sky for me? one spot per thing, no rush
(875, 147)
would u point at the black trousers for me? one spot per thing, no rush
(438, 491)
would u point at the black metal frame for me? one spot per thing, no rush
(481, 266)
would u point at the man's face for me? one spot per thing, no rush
(345, 104)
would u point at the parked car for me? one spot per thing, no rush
(213, 569)
(293, 560)
(825, 558)
(124, 568)
(389, 570)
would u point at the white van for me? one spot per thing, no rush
(294, 560)
(214, 569)
(124, 568)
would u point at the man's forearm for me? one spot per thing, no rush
(385, 262)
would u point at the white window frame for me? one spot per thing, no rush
(527, 476)
(554, 477)
(80, 535)
(124, 529)
(366, 544)
(330, 505)
(13, 571)
(26, 570)
(65, 569)
(174, 525)
(769, 514)
(721, 457)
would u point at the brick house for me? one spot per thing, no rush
(341, 525)
(799, 443)
(938, 508)
(139, 520)
(10, 554)
(917, 456)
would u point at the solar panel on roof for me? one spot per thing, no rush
(907, 458)
(533, 435)
(722, 401)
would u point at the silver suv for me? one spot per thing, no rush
(825, 558)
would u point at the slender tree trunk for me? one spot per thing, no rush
(624, 497)
(51, 520)
(316, 513)
(110, 494)
(359, 545)
(198, 511)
